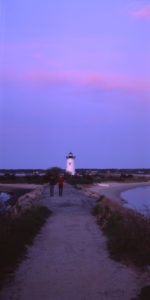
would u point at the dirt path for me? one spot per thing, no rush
(69, 260)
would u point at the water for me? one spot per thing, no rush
(138, 199)
(4, 197)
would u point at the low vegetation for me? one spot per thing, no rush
(16, 233)
(75, 180)
(128, 232)
(90, 179)
(31, 179)
(123, 178)
(83, 176)
(144, 294)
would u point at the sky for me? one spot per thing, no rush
(74, 76)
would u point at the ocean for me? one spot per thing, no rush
(138, 199)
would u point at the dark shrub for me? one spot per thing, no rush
(16, 233)
(128, 232)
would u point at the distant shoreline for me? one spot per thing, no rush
(10, 187)
(15, 190)
(114, 189)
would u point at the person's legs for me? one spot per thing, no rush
(51, 190)
(60, 189)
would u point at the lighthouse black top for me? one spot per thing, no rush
(70, 155)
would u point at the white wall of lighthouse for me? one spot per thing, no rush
(70, 168)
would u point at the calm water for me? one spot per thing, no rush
(3, 201)
(138, 199)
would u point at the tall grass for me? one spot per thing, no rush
(16, 233)
(128, 232)
(144, 293)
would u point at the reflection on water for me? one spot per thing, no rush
(138, 199)
(4, 197)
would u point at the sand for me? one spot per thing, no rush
(69, 259)
(112, 190)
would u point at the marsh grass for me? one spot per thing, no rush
(128, 232)
(144, 294)
(16, 234)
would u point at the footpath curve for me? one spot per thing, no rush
(69, 259)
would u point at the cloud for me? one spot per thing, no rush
(143, 12)
(41, 58)
(78, 79)
(114, 81)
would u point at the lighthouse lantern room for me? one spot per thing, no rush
(70, 164)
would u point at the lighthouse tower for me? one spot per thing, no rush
(70, 164)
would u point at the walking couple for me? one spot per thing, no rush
(53, 181)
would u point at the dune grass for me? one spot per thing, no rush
(144, 293)
(15, 234)
(128, 232)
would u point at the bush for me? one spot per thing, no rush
(128, 232)
(16, 233)
(54, 171)
(74, 180)
(144, 294)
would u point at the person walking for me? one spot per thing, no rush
(60, 184)
(52, 183)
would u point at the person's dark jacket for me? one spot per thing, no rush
(52, 180)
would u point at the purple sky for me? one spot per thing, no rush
(75, 76)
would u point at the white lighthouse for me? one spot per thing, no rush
(70, 164)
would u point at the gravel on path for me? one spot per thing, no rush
(68, 259)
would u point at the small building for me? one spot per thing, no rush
(70, 164)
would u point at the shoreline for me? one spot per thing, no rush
(114, 189)
(10, 187)
(15, 191)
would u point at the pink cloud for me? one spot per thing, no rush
(40, 57)
(79, 79)
(113, 81)
(144, 12)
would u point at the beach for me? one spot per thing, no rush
(112, 190)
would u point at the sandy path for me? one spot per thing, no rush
(69, 260)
